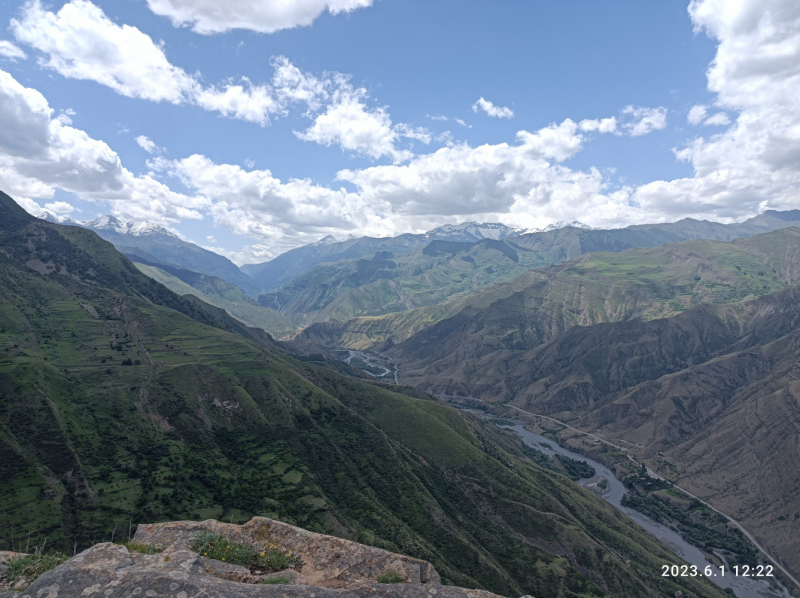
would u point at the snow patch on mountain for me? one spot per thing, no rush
(565, 224)
(111, 223)
(472, 231)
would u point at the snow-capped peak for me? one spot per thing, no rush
(472, 231)
(111, 223)
(107, 222)
(326, 240)
(53, 217)
(565, 224)
(135, 229)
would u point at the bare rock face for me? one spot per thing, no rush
(331, 568)
(326, 561)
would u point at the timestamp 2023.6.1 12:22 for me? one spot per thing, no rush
(716, 571)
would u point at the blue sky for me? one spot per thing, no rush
(393, 116)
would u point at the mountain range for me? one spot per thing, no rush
(122, 402)
(164, 245)
(684, 351)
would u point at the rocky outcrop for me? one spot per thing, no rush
(326, 561)
(330, 568)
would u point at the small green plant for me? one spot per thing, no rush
(31, 566)
(391, 577)
(280, 580)
(140, 548)
(221, 548)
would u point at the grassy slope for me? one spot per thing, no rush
(423, 277)
(208, 424)
(709, 398)
(599, 287)
(252, 315)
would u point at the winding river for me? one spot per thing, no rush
(743, 587)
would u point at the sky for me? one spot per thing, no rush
(254, 126)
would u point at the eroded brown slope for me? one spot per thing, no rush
(710, 395)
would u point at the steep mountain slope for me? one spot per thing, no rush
(115, 407)
(537, 305)
(205, 283)
(469, 351)
(244, 309)
(167, 247)
(709, 398)
(433, 274)
(561, 243)
(281, 270)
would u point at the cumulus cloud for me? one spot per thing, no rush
(81, 42)
(147, 144)
(256, 204)
(719, 119)
(600, 125)
(212, 16)
(486, 106)
(642, 121)
(349, 123)
(696, 114)
(39, 153)
(755, 163)
(60, 207)
(10, 51)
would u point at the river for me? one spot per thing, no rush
(743, 587)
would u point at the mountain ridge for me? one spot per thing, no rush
(117, 408)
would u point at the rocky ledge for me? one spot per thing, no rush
(330, 568)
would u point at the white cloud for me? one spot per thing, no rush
(696, 114)
(213, 16)
(39, 153)
(644, 120)
(520, 184)
(492, 110)
(147, 145)
(462, 123)
(350, 123)
(719, 119)
(11, 51)
(755, 163)
(256, 204)
(243, 101)
(601, 125)
(60, 207)
(80, 42)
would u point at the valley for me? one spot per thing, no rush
(603, 331)
(124, 403)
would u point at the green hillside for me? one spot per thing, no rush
(598, 287)
(389, 283)
(216, 294)
(121, 402)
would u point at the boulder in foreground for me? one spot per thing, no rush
(330, 568)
